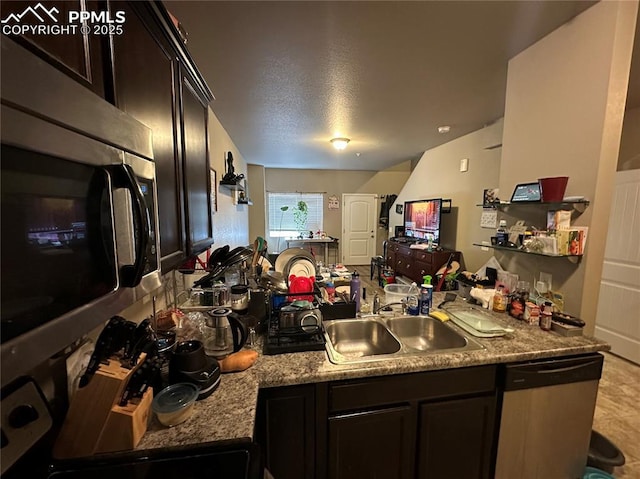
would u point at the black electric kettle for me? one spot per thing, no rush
(224, 333)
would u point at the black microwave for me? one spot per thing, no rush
(78, 212)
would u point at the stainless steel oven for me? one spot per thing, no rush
(78, 211)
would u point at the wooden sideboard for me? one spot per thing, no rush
(416, 263)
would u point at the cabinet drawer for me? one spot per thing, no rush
(402, 265)
(394, 248)
(421, 269)
(420, 255)
(386, 390)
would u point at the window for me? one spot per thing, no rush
(283, 220)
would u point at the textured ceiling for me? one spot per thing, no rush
(289, 76)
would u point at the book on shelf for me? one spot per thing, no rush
(572, 240)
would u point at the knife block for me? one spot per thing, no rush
(96, 423)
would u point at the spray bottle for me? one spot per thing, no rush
(426, 296)
(354, 287)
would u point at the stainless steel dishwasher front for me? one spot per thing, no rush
(547, 414)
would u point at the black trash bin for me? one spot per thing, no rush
(603, 454)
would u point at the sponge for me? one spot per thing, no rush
(439, 315)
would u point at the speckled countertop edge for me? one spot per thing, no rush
(229, 413)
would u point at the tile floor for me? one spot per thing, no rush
(617, 414)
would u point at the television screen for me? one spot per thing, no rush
(422, 219)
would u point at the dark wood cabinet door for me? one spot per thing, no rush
(286, 431)
(82, 56)
(195, 161)
(455, 438)
(377, 443)
(144, 77)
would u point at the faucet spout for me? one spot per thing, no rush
(377, 307)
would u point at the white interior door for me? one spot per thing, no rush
(617, 319)
(359, 219)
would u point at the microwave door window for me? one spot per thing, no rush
(57, 238)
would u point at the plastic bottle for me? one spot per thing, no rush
(331, 291)
(426, 295)
(413, 300)
(502, 234)
(354, 289)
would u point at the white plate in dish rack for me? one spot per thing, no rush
(302, 267)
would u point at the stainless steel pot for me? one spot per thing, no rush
(306, 320)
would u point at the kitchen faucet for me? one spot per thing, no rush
(377, 307)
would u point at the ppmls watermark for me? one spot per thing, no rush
(40, 20)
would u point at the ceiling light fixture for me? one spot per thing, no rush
(340, 143)
(444, 129)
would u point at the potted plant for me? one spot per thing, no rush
(300, 213)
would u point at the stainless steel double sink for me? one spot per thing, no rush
(377, 338)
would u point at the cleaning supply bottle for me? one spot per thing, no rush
(413, 300)
(502, 234)
(354, 290)
(426, 295)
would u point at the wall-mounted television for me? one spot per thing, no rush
(422, 219)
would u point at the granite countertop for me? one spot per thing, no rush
(229, 413)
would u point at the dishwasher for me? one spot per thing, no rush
(546, 419)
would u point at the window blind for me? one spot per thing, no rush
(283, 224)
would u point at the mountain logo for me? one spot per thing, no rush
(39, 12)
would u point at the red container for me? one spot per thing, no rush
(552, 189)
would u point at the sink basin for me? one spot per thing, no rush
(374, 338)
(357, 338)
(424, 333)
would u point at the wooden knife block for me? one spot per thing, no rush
(96, 423)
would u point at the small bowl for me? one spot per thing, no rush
(174, 404)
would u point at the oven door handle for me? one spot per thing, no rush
(124, 177)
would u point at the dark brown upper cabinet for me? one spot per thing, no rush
(146, 71)
(195, 164)
(82, 56)
(157, 83)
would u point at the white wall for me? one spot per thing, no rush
(230, 222)
(563, 117)
(438, 175)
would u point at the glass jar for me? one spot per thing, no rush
(499, 300)
(545, 316)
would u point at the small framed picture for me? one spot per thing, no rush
(214, 190)
(399, 209)
(490, 196)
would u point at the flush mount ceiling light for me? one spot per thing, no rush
(340, 143)
(444, 129)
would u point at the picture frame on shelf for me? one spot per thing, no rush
(490, 196)
(214, 190)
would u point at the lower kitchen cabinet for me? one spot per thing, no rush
(377, 443)
(455, 438)
(286, 431)
(436, 424)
